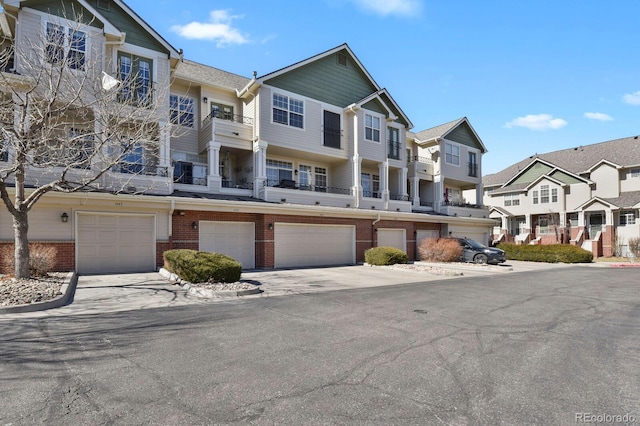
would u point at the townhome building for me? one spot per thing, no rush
(308, 165)
(587, 196)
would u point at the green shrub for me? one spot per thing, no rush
(381, 256)
(439, 250)
(549, 253)
(198, 266)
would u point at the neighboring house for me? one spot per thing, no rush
(309, 165)
(587, 196)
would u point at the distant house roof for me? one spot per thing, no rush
(441, 132)
(205, 74)
(623, 152)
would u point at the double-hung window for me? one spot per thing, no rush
(181, 110)
(288, 111)
(135, 72)
(64, 45)
(544, 194)
(371, 128)
(627, 218)
(452, 154)
(554, 195)
(511, 200)
(304, 177)
(543, 225)
(535, 197)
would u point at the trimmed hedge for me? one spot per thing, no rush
(380, 256)
(550, 253)
(199, 267)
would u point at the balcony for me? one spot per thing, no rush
(190, 173)
(421, 167)
(461, 209)
(232, 130)
(289, 191)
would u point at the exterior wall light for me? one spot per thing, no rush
(205, 99)
(271, 227)
(194, 225)
(64, 217)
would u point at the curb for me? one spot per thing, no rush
(203, 292)
(68, 290)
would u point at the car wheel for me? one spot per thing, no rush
(480, 258)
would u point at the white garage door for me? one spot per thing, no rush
(299, 245)
(423, 234)
(235, 239)
(108, 243)
(392, 238)
(477, 234)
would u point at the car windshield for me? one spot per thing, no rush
(475, 244)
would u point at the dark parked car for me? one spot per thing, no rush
(473, 251)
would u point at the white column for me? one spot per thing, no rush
(415, 191)
(259, 166)
(402, 175)
(213, 158)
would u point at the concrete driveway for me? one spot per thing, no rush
(97, 294)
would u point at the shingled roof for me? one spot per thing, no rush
(205, 74)
(623, 152)
(438, 131)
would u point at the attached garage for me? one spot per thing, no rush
(298, 245)
(115, 243)
(392, 238)
(235, 239)
(423, 234)
(480, 235)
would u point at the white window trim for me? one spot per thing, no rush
(452, 144)
(154, 56)
(181, 98)
(381, 119)
(67, 24)
(289, 95)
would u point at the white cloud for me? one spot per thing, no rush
(391, 7)
(218, 29)
(537, 122)
(598, 116)
(632, 98)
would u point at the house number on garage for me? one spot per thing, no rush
(118, 204)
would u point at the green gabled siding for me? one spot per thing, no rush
(464, 135)
(327, 81)
(66, 10)
(531, 174)
(564, 178)
(375, 106)
(136, 35)
(396, 112)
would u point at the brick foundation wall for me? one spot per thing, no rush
(65, 257)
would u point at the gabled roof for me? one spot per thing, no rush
(548, 174)
(385, 98)
(624, 152)
(502, 211)
(626, 200)
(210, 76)
(314, 58)
(112, 29)
(596, 200)
(544, 177)
(318, 78)
(437, 133)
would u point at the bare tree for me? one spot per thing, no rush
(68, 126)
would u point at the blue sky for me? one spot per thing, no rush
(532, 77)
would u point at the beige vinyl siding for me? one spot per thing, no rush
(370, 150)
(606, 179)
(341, 175)
(577, 194)
(461, 171)
(187, 137)
(628, 182)
(308, 139)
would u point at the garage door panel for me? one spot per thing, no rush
(108, 243)
(298, 245)
(235, 239)
(392, 238)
